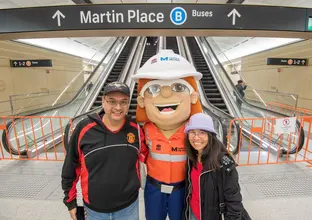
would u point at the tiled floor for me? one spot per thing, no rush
(31, 190)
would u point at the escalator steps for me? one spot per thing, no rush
(116, 70)
(211, 90)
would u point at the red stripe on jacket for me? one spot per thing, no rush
(81, 170)
(143, 151)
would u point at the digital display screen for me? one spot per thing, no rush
(310, 24)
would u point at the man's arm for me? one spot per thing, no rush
(71, 171)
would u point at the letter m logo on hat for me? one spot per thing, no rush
(164, 58)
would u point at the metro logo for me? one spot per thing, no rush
(177, 149)
(169, 59)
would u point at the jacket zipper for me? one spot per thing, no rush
(188, 191)
(115, 145)
(208, 171)
(139, 152)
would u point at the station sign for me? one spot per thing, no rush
(288, 61)
(154, 16)
(31, 63)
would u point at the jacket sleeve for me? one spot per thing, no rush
(71, 171)
(143, 149)
(232, 194)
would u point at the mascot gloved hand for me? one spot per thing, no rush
(167, 97)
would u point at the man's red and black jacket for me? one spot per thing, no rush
(106, 162)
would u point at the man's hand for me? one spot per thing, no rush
(73, 213)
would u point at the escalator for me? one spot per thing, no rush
(149, 51)
(24, 135)
(171, 43)
(209, 86)
(116, 71)
(267, 140)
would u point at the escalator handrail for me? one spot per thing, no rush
(135, 67)
(225, 116)
(223, 90)
(83, 85)
(98, 109)
(237, 94)
(99, 87)
(216, 111)
(275, 114)
(10, 123)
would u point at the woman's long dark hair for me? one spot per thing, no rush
(210, 157)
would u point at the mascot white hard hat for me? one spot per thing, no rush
(167, 65)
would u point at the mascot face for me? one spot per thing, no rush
(167, 91)
(167, 102)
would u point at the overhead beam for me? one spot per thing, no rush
(235, 1)
(82, 2)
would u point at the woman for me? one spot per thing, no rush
(207, 157)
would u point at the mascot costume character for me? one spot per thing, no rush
(167, 97)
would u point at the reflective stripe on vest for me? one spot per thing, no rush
(168, 157)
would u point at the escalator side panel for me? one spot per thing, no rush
(149, 51)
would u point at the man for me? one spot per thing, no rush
(241, 86)
(89, 87)
(103, 152)
(167, 97)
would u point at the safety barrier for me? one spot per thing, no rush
(42, 138)
(33, 137)
(272, 140)
(288, 109)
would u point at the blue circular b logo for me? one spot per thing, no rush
(178, 16)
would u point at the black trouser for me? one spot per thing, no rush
(239, 103)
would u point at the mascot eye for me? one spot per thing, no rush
(178, 87)
(154, 89)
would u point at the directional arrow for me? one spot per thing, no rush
(234, 13)
(15, 63)
(303, 62)
(58, 14)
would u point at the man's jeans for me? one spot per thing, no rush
(129, 213)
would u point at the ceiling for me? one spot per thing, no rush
(33, 3)
(291, 3)
(233, 46)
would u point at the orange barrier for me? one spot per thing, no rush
(33, 137)
(42, 138)
(260, 144)
(283, 108)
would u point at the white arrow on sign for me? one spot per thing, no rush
(234, 13)
(58, 14)
(15, 63)
(303, 62)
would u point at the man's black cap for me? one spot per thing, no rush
(117, 87)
